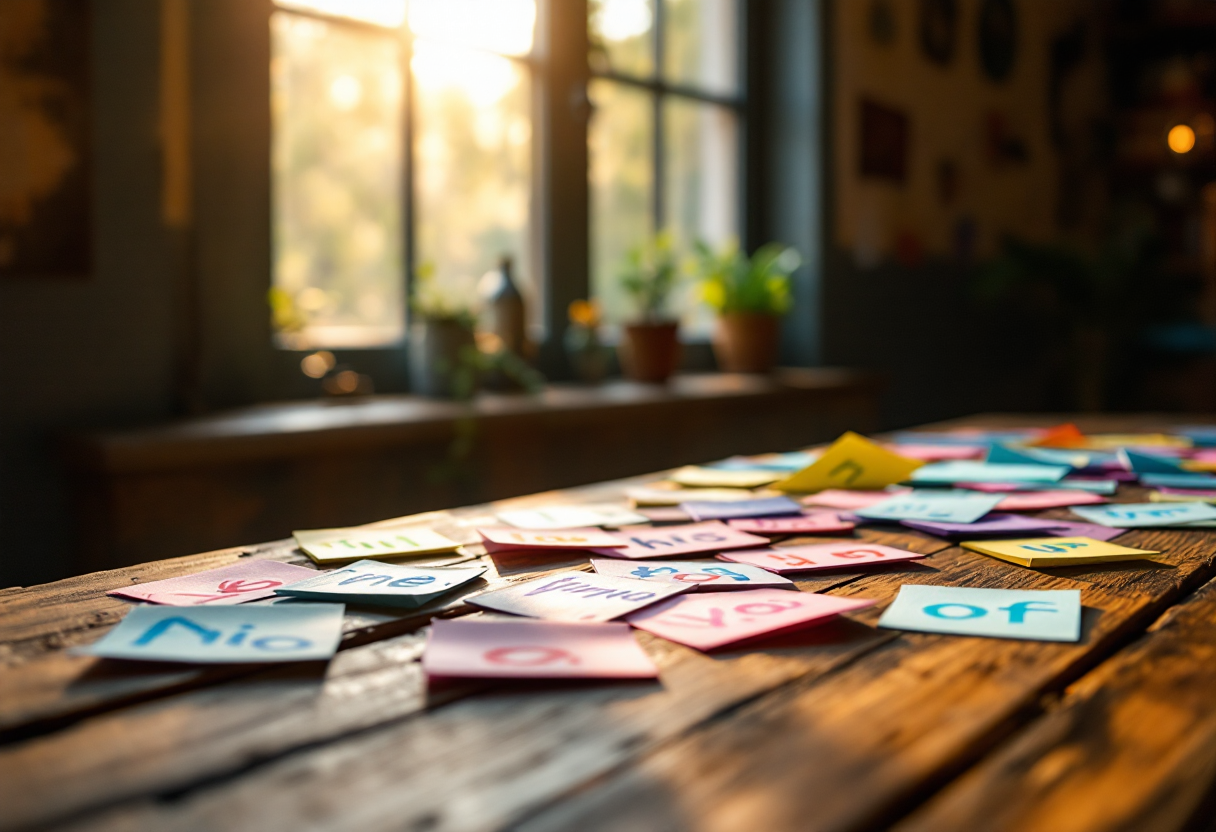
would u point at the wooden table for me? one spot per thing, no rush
(841, 727)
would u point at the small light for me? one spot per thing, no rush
(347, 381)
(1181, 138)
(317, 364)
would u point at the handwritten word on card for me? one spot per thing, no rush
(576, 596)
(699, 575)
(827, 521)
(534, 650)
(221, 635)
(1051, 615)
(571, 517)
(1056, 551)
(343, 545)
(505, 540)
(926, 505)
(821, 556)
(852, 461)
(385, 584)
(670, 541)
(1135, 515)
(245, 581)
(709, 621)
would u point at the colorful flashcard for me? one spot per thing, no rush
(993, 525)
(665, 514)
(699, 575)
(694, 476)
(1105, 487)
(222, 635)
(524, 649)
(248, 580)
(1069, 528)
(926, 504)
(344, 545)
(1139, 515)
(551, 518)
(1179, 480)
(948, 473)
(937, 453)
(1181, 495)
(1039, 615)
(1006, 455)
(505, 540)
(1056, 551)
(1143, 463)
(1034, 500)
(810, 558)
(708, 621)
(382, 584)
(764, 507)
(787, 462)
(820, 522)
(849, 500)
(852, 461)
(1102, 486)
(641, 497)
(576, 596)
(670, 541)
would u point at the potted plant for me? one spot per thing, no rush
(650, 344)
(750, 294)
(441, 334)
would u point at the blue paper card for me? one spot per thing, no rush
(384, 584)
(1040, 615)
(221, 635)
(1135, 515)
(1148, 463)
(766, 507)
(1092, 486)
(1179, 480)
(1202, 436)
(943, 506)
(792, 461)
(1005, 455)
(966, 471)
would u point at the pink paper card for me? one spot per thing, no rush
(939, 453)
(248, 580)
(497, 539)
(845, 499)
(821, 556)
(1047, 499)
(534, 650)
(669, 541)
(576, 596)
(818, 523)
(712, 620)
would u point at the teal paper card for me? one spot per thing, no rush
(943, 473)
(927, 504)
(383, 584)
(1039, 615)
(1135, 515)
(222, 635)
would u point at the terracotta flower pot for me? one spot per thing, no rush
(746, 342)
(650, 352)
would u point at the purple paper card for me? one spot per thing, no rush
(766, 507)
(994, 525)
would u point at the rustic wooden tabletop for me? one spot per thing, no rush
(839, 727)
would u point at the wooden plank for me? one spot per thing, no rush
(1131, 746)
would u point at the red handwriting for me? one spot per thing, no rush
(529, 656)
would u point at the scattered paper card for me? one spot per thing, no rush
(1181, 480)
(576, 596)
(1068, 528)
(506, 540)
(344, 545)
(952, 506)
(810, 558)
(694, 476)
(994, 525)
(553, 518)
(849, 500)
(947, 473)
(670, 541)
(1040, 615)
(641, 497)
(818, 523)
(708, 621)
(248, 580)
(382, 584)
(522, 649)
(764, 507)
(700, 575)
(223, 635)
(937, 453)
(1148, 463)
(1181, 495)
(1056, 551)
(1139, 515)
(1034, 500)
(852, 461)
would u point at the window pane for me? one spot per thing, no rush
(473, 157)
(623, 31)
(390, 13)
(336, 105)
(701, 179)
(503, 26)
(702, 44)
(621, 145)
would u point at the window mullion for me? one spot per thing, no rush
(408, 246)
(657, 202)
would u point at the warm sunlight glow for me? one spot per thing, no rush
(345, 91)
(1181, 138)
(624, 19)
(389, 13)
(482, 77)
(502, 26)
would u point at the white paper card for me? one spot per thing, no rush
(704, 575)
(576, 596)
(386, 584)
(1040, 615)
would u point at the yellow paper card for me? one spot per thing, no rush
(693, 476)
(342, 545)
(851, 462)
(1158, 497)
(1056, 551)
(1111, 441)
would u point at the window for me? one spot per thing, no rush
(664, 138)
(402, 135)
